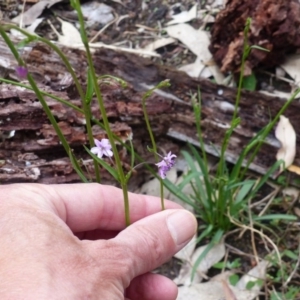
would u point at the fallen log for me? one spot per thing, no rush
(30, 150)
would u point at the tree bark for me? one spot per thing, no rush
(34, 153)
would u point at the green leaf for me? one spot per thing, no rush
(233, 279)
(73, 4)
(188, 178)
(264, 178)
(216, 239)
(177, 192)
(249, 82)
(208, 192)
(199, 186)
(292, 255)
(220, 265)
(205, 233)
(259, 48)
(276, 217)
(250, 285)
(245, 189)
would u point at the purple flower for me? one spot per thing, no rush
(166, 164)
(103, 147)
(21, 72)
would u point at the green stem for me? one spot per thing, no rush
(45, 107)
(103, 111)
(126, 203)
(67, 103)
(266, 132)
(154, 148)
(162, 199)
(234, 121)
(55, 125)
(246, 51)
(198, 116)
(77, 84)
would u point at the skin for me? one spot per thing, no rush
(70, 242)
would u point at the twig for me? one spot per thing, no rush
(252, 232)
(295, 269)
(104, 28)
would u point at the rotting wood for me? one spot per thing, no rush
(274, 26)
(34, 153)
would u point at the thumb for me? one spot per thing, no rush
(153, 240)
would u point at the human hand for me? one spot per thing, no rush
(70, 242)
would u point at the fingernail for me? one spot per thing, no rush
(182, 226)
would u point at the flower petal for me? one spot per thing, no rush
(97, 143)
(21, 72)
(162, 173)
(161, 164)
(108, 152)
(105, 143)
(95, 150)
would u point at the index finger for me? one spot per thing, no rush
(91, 206)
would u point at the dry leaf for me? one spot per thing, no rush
(34, 12)
(276, 93)
(184, 16)
(186, 252)
(297, 211)
(286, 134)
(291, 192)
(152, 187)
(294, 169)
(159, 43)
(97, 13)
(70, 33)
(196, 41)
(196, 69)
(213, 256)
(211, 290)
(228, 293)
(184, 276)
(258, 272)
(119, 1)
(219, 287)
(292, 66)
(218, 3)
(31, 29)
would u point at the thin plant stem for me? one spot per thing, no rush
(154, 148)
(55, 126)
(162, 200)
(246, 51)
(268, 129)
(58, 99)
(77, 84)
(198, 116)
(123, 183)
(45, 107)
(235, 122)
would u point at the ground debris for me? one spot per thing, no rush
(274, 26)
(26, 129)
